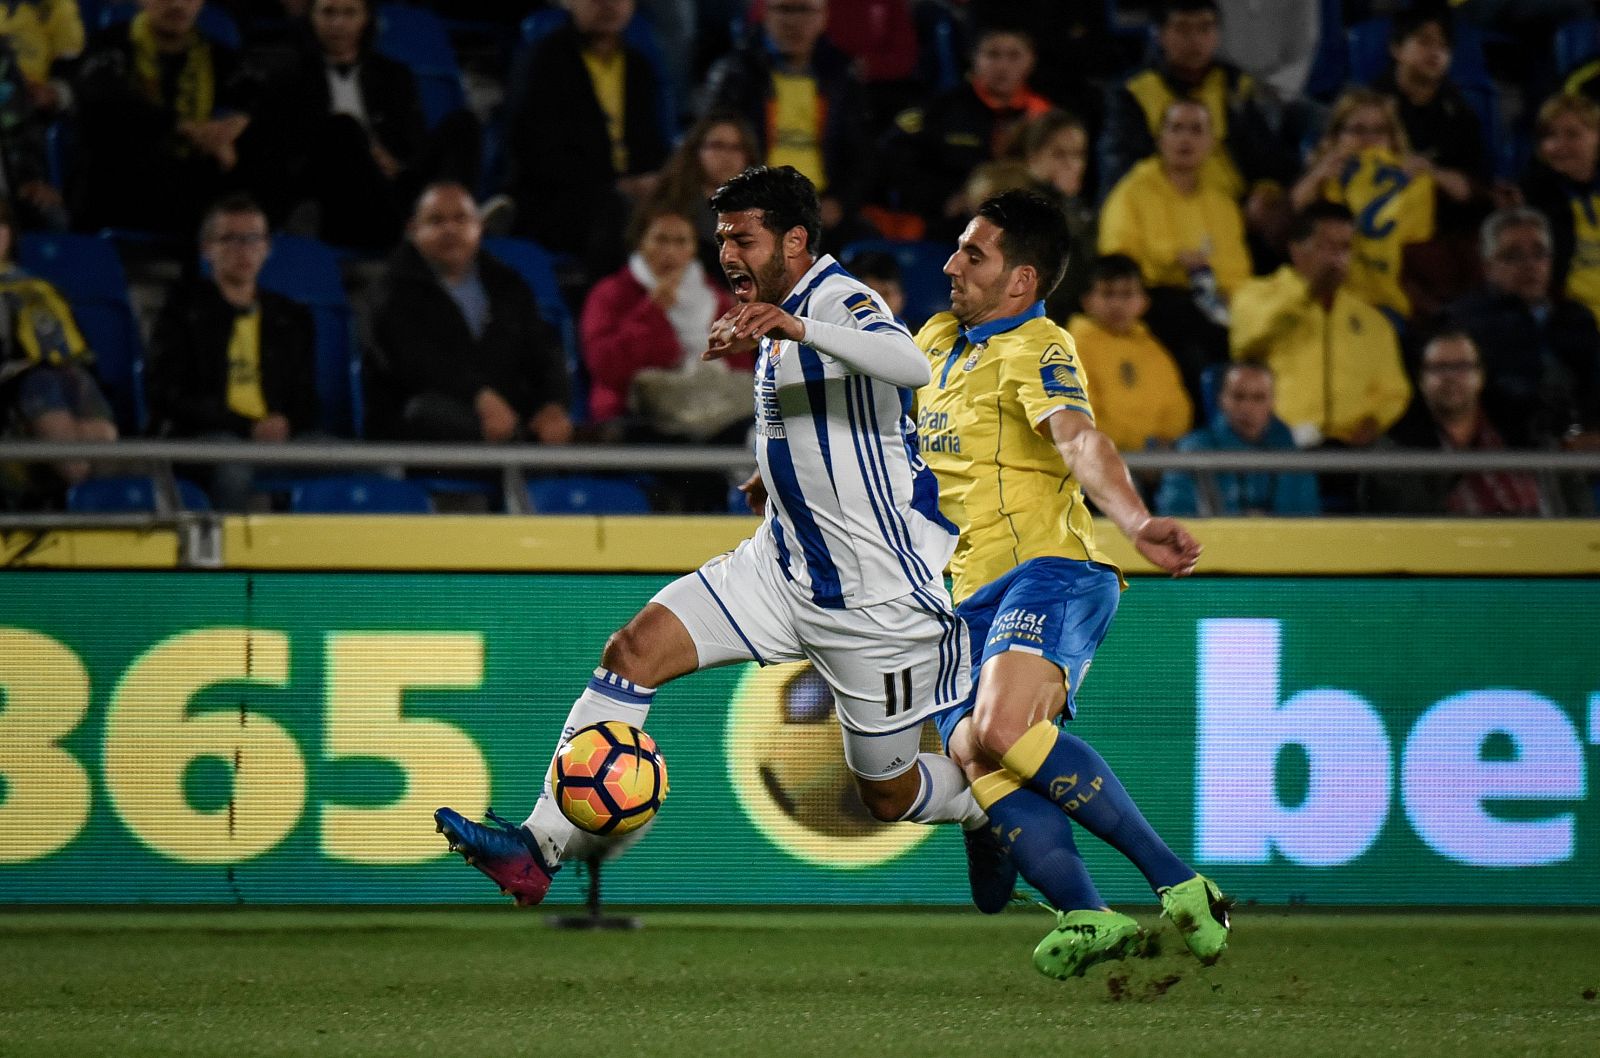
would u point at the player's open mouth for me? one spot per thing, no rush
(741, 282)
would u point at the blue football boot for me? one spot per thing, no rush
(505, 852)
(990, 872)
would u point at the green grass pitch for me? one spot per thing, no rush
(834, 984)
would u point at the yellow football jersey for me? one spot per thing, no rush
(1583, 271)
(1001, 480)
(1391, 209)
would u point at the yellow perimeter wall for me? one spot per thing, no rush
(665, 544)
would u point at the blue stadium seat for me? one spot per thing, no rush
(1330, 67)
(419, 39)
(941, 46)
(921, 274)
(536, 265)
(1576, 43)
(1369, 52)
(130, 495)
(585, 495)
(359, 494)
(308, 272)
(90, 276)
(214, 22)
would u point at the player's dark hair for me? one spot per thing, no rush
(1033, 231)
(1186, 7)
(230, 205)
(1304, 224)
(874, 264)
(1108, 268)
(784, 196)
(1412, 19)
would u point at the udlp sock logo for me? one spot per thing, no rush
(1444, 778)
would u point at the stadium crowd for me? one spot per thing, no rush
(1298, 223)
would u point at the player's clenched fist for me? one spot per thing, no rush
(743, 326)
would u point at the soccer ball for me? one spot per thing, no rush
(609, 778)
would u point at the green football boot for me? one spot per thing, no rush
(1200, 911)
(1083, 938)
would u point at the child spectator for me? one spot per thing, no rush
(1139, 399)
(1366, 164)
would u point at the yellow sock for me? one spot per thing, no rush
(1026, 756)
(992, 787)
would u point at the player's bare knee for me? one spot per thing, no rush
(628, 654)
(995, 728)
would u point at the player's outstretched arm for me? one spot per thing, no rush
(1093, 460)
(876, 346)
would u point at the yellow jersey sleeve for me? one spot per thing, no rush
(1043, 382)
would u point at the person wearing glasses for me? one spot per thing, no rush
(1448, 415)
(229, 360)
(1540, 348)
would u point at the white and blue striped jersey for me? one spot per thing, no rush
(852, 509)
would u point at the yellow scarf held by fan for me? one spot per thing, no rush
(197, 88)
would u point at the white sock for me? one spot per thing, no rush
(608, 697)
(943, 796)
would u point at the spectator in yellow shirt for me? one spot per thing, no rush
(44, 34)
(1188, 238)
(1335, 356)
(1138, 394)
(1365, 162)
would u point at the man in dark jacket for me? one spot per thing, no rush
(459, 352)
(1447, 414)
(587, 135)
(799, 95)
(165, 115)
(1541, 351)
(228, 359)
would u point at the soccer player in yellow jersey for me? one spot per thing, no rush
(1007, 427)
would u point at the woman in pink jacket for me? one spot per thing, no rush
(644, 328)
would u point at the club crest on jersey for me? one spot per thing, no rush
(1061, 380)
(1056, 354)
(972, 361)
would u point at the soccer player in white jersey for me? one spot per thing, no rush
(847, 568)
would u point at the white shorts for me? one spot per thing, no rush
(890, 666)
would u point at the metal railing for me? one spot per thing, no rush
(159, 458)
